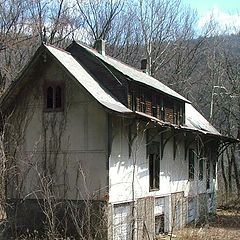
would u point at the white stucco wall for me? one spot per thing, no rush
(75, 141)
(173, 172)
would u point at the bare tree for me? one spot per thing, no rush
(99, 16)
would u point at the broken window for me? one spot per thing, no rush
(154, 165)
(54, 98)
(191, 161)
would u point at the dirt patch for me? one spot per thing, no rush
(225, 225)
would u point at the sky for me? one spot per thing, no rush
(225, 12)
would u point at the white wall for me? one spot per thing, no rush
(75, 141)
(173, 173)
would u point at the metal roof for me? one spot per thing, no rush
(87, 81)
(195, 121)
(135, 74)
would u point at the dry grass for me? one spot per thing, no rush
(225, 225)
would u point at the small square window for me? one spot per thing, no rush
(53, 97)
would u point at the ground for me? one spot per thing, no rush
(225, 225)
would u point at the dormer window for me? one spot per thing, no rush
(54, 97)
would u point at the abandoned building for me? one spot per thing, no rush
(82, 127)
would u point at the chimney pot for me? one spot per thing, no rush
(144, 65)
(99, 45)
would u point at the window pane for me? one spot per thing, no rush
(58, 97)
(50, 97)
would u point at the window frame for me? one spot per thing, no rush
(54, 86)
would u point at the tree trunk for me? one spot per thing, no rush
(224, 176)
(229, 172)
(235, 168)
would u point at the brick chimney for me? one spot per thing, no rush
(99, 45)
(144, 64)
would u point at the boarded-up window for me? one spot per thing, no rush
(168, 110)
(138, 104)
(131, 101)
(148, 107)
(192, 205)
(122, 222)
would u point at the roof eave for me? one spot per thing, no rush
(184, 128)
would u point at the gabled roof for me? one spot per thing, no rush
(194, 120)
(133, 74)
(87, 81)
(66, 60)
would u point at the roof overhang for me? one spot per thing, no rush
(183, 128)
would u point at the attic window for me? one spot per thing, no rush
(54, 98)
(49, 97)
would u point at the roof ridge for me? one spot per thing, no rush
(57, 48)
(135, 74)
(113, 58)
